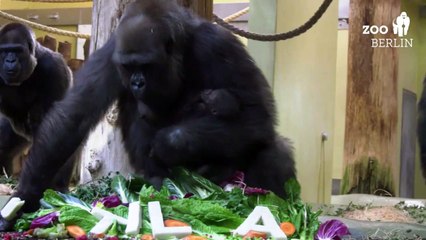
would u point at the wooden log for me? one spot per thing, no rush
(64, 48)
(372, 107)
(40, 40)
(50, 43)
(75, 64)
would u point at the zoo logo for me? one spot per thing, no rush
(400, 24)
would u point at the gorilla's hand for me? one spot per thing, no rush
(172, 146)
(6, 225)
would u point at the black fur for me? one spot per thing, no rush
(32, 78)
(158, 59)
(421, 128)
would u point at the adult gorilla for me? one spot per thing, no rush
(32, 78)
(163, 57)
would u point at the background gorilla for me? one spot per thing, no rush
(161, 56)
(31, 78)
(421, 128)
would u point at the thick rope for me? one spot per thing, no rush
(280, 36)
(236, 15)
(54, 1)
(43, 27)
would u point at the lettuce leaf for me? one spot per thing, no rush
(210, 213)
(185, 181)
(55, 232)
(128, 189)
(57, 200)
(71, 215)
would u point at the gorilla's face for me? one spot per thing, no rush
(16, 57)
(146, 62)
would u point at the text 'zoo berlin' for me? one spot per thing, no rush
(400, 25)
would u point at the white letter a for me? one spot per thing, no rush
(269, 226)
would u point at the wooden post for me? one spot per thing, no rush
(50, 42)
(372, 106)
(64, 48)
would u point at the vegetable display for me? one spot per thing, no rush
(187, 201)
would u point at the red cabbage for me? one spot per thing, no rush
(173, 197)
(109, 202)
(44, 220)
(255, 191)
(237, 180)
(332, 230)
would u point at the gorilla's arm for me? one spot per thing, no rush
(52, 68)
(68, 123)
(421, 128)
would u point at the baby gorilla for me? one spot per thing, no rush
(216, 102)
(220, 103)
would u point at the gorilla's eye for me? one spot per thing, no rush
(130, 67)
(133, 67)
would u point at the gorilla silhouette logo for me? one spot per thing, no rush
(401, 24)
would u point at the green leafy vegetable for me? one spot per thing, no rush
(189, 182)
(208, 212)
(121, 211)
(94, 190)
(292, 189)
(57, 231)
(122, 187)
(71, 215)
(57, 199)
(24, 222)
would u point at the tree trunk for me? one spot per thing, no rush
(104, 151)
(372, 107)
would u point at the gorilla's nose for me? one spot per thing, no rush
(10, 60)
(137, 81)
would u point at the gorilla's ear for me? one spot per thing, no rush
(32, 42)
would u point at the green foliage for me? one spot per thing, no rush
(24, 222)
(56, 199)
(55, 232)
(11, 181)
(416, 212)
(210, 211)
(94, 190)
(71, 215)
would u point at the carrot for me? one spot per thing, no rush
(98, 235)
(288, 228)
(75, 231)
(147, 237)
(174, 223)
(29, 232)
(253, 234)
(194, 237)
